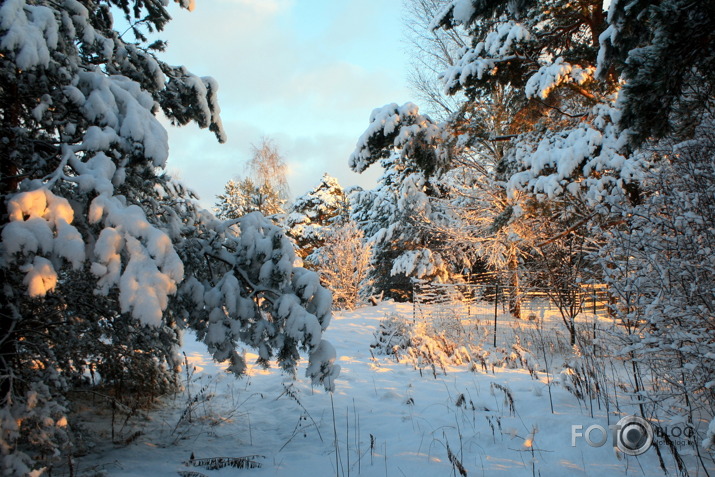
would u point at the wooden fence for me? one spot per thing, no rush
(487, 305)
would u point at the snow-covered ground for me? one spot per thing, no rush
(384, 419)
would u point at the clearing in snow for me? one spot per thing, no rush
(385, 418)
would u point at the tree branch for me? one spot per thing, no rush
(565, 232)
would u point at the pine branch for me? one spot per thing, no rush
(565, 232)
(560, 111)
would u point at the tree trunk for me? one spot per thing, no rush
(7, 340)
(9, 182)
(515, 295)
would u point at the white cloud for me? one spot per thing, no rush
(205, 166)
(340, 85)
(307, 73)
(309, 157)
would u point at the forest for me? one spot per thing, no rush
(543, 220)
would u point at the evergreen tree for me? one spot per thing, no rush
(264, 190)
(245, 196)
(527, 77)
(566, 143)
(313, 215)
(613, 170)
(614, 165)
(664, 50)
(104, 257)
(395, 215)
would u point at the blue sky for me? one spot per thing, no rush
(306, 73)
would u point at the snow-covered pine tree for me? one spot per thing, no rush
(547, 50)
(395, 216)
(665, 53)
(252, 293)
(312, 215)
(537, 59)
(244, 196)
(657, 262)
(534, 121)
(585, 145)
(264, 189)
(99, 244)
(473, 175)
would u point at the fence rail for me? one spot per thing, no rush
(487, 305)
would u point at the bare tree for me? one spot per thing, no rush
(432, 52)
(268, 168)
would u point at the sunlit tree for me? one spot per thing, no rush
(264, 189)
(104, 258)
(244, 196)
(343, 262)
(267, 168)
(313, 216)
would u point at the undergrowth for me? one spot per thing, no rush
(440, 345)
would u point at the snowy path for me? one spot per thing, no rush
(390, 421)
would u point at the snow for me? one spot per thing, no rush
(608, 35)
(384, 418)
(460, 12)
(322, 356)
(550, 76)
(499, 46)
(320, 304)
(29, 236)
(206, 96)
(42, 107)
(132, 221)
(418, 263)
(403, 122)
(153, 269)
(216, 331)
(69, 244)
(40, 277)
(143, 288)
(306, 283)
(119, 103)
(560, 160)
(40, 222)
(106, 250)
(300, 325)
(30, 31)
(195, 83)
(97, 173)
(709, 436)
